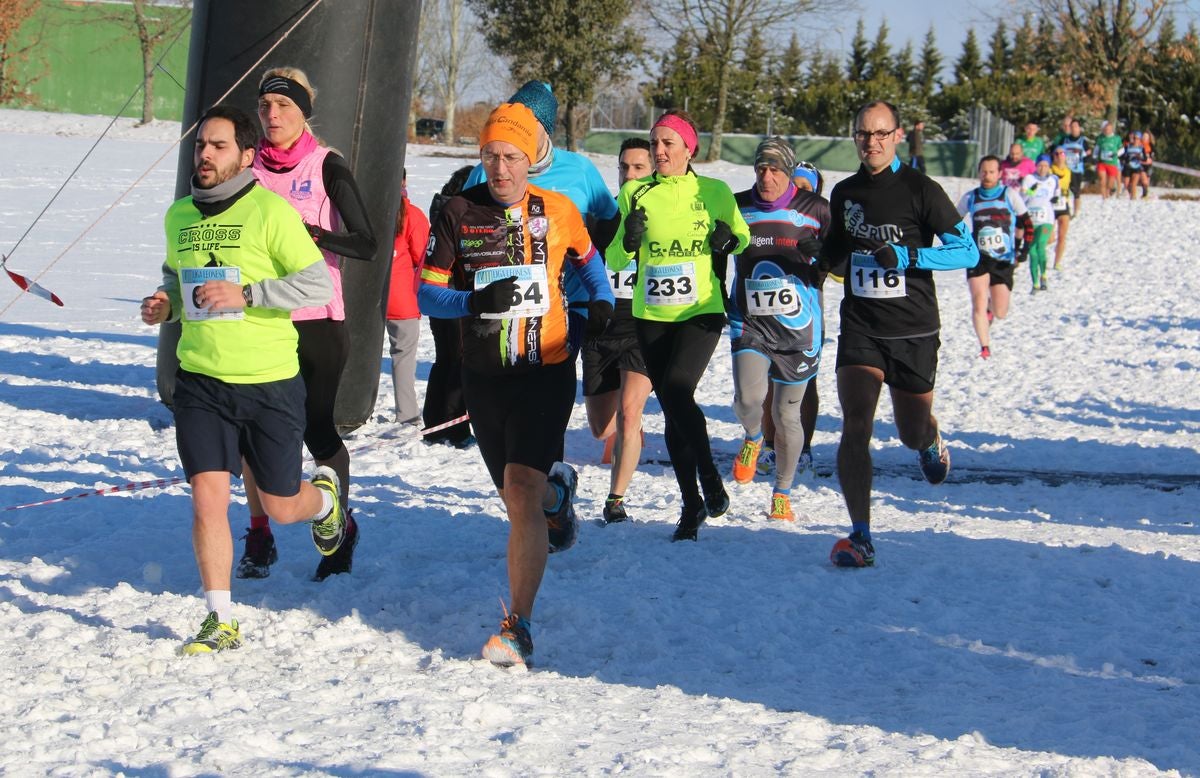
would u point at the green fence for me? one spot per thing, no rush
(951, 158)
(87, 60)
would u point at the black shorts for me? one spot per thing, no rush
(1000, 272)
(218, 423)
(908, 364)
(520, 418)
(603, 361)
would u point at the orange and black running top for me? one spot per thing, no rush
(477, 240)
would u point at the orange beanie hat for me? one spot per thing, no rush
(514, 123)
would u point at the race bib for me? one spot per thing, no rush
(868, 279)
(670, 284)
(532, 295)
(992, 241)
(190, 281)
(623, 281)
(771, 297)
(1039, 214)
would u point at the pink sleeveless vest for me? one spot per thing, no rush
(304, 187)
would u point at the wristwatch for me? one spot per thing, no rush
(247, 296)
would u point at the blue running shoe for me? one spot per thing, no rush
(935, 461)
(514, 644)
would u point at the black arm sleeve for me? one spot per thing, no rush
(358, 239)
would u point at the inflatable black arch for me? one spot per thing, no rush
(360, 55)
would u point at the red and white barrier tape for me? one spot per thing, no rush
(163, 483)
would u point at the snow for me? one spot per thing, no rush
(1035, 615)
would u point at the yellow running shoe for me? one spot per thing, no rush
(746, 464)
(781, 507)
(213, 637)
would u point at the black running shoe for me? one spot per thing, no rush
(716, 503)
(259, 555)
(689, 523)
(563, 526)
(342, 560)
(935, 461)
(614, 510)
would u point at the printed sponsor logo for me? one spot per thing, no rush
(857, 227)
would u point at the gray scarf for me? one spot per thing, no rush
(222, 191)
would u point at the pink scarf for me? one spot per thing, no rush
(286, 159)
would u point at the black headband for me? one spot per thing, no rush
(282, 85)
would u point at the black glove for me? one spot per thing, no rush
(635, 230)
(599, 315)
(314, 231)
(810, 246)
(496, 297)
(885, 257)
(1022, 252)
(721, 239)
(1054, 200)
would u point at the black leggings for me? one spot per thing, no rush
(323, 349)
(676, 355)
(444, 392)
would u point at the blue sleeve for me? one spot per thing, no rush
(595, 277)
(442, 302)
(603, 205)
(477, 177)
(957, 252)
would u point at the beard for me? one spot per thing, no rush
(218, 175)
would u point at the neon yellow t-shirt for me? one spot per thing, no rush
(259, 236)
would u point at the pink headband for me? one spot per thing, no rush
(673, 122)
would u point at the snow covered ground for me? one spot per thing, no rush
(1036, 615)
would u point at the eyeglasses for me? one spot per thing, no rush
(862, 136)
(511, 160)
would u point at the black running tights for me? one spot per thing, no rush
(676, 355)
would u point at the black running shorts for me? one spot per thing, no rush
(217, 423)
(908, 364)
(1000, 272)
(603, 361)
(520, 418)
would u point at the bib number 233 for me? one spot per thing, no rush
(530, 298)
(670, 284)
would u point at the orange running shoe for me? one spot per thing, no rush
(781, 507)
(746, 463)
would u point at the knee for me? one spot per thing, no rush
(523, 485)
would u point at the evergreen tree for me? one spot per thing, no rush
(573, 45)
(969, 66)
(903, 69)
(999, 55)
(929, 70)
(1022, 50)
(879, 56)
(857, 63)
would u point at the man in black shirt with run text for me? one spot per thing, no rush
(885, 217)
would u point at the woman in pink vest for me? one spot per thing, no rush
(317, 182)
(403, 317)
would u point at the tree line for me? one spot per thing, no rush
(1121, 60)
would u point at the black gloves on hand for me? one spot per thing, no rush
(1022, 252)
(314, 231)
(599, 315)
(885, 257)
(810, 246)
(721, 239)
(496, 297)
(635, 230)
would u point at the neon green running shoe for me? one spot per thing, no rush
(329, 531)
(213, 637)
